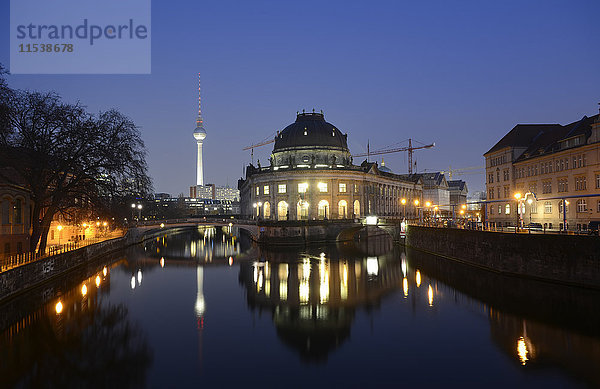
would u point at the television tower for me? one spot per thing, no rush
(199, 135)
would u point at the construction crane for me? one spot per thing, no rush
(410, 150)
(260, 144)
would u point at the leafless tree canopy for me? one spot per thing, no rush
(69, 159)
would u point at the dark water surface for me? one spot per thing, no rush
(207, 308)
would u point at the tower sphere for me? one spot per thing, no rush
(199, 133)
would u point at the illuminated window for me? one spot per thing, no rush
(581, 205)
(281, 188)
(266, 189)
(507, 209)
(322, 186)
(548, 207)
(257, 190)
(342, 188)
(303, 187)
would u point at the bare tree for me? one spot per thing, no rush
(69, 159)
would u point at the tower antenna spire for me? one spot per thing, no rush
(199, 120)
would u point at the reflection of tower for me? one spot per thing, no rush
(200, 311)
(199, 135)
(200, 296)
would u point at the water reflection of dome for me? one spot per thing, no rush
(313, 300)
(312, 336)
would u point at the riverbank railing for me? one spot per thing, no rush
(11, 261)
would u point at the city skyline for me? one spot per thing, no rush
(462, 79)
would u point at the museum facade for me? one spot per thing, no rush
(311, 176)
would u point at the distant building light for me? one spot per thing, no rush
(371, 220)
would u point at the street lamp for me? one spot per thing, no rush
(403, 202)
(416, 202)
(518, 198)
(139, 207)
(529, 201)
(59, 228)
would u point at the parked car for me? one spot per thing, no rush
(593, 227)
(534, 226)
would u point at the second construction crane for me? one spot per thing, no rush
(410, 149)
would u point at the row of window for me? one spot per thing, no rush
(302, 210)
(562, 186)
(505, 173)
(581, 207)
(547, 167)
(498, 160)
(303, 188)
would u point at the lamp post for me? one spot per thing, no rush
(529, 201)
(518, 198)
(403, 202)
(139, 207)
(565, 204)
(416, 202)
(132, 210)
(59, 228)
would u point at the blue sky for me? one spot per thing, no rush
(460, 74)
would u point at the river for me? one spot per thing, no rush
(207, 307)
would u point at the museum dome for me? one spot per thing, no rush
(310, 130)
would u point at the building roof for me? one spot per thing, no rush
(433, 179)
(540, 139)
(457, 184)
(310, 129)
(522, 135)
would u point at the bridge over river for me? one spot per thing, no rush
(299, 231)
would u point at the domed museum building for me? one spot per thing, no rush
(311, 175)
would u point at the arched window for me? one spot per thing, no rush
(342, 209)
(282, 210)
(18, 208)
(4, 209)
(267, 210)
(356, 208)
(323, 209)
(302, 210)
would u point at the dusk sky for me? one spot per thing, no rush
(459, 75)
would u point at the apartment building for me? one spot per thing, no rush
(547, 166)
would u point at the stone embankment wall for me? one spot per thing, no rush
(563, 258)
(27, 276)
